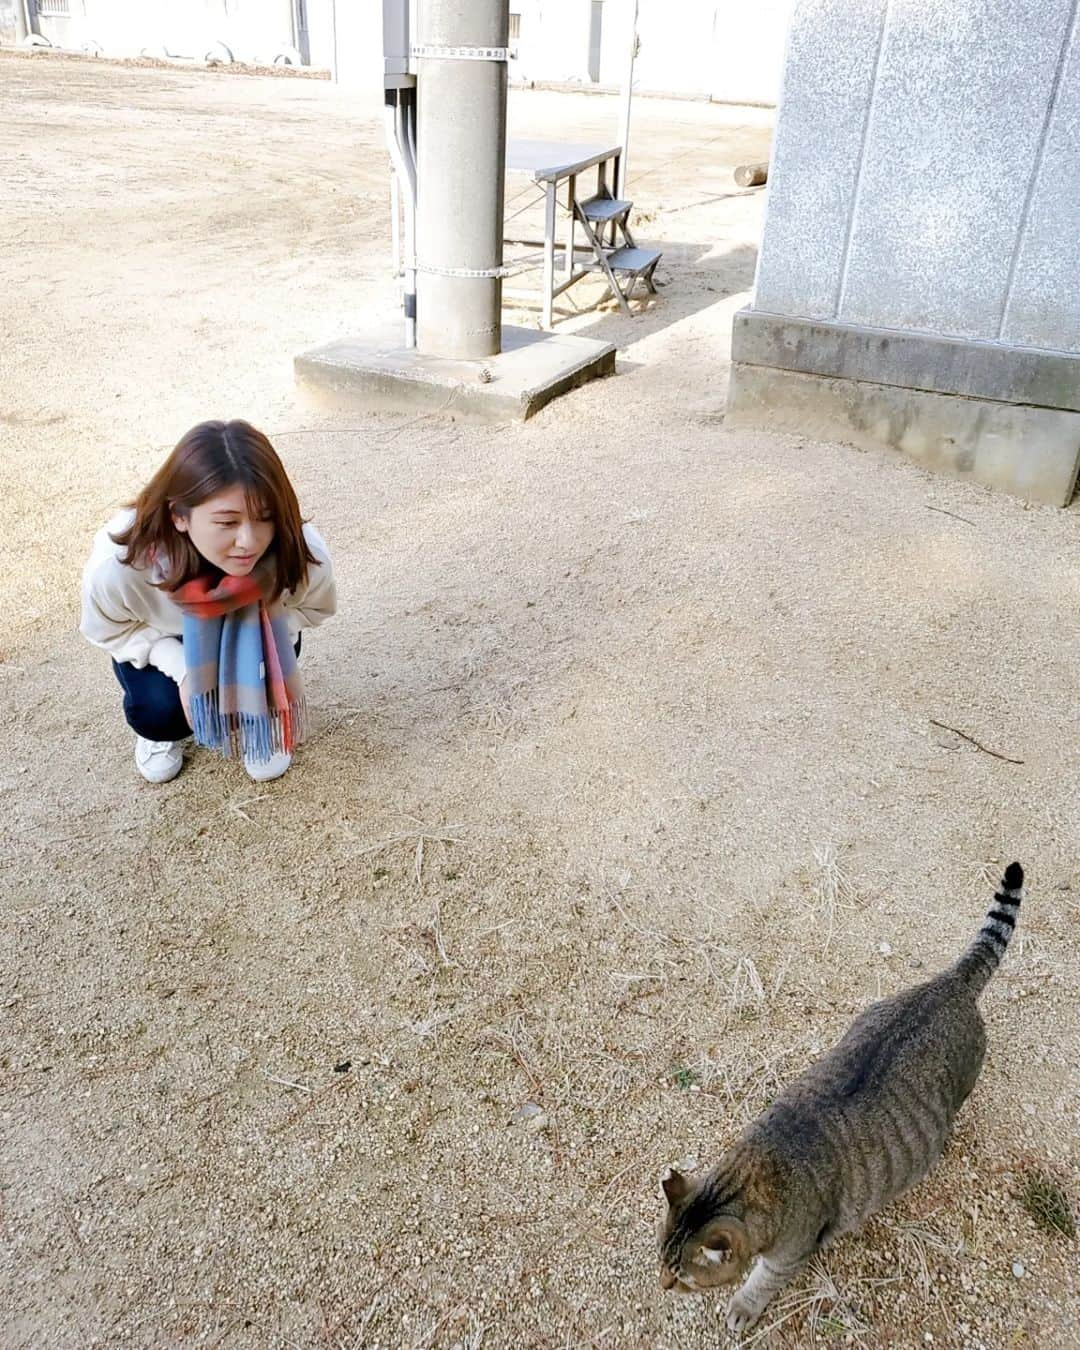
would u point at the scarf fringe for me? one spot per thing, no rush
(247, 735)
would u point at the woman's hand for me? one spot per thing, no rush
(185, 701)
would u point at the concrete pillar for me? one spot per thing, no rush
(916, 284)
(461, 151)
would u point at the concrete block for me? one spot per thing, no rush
(988, 370)
(1043, 309)
(531, 370)
(1033, 453)
(955, 128)
(828, 79)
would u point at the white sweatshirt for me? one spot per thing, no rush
(134, 621)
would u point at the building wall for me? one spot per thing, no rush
(749, 41)
(924, 171)
(728, 50)
(359, 40)
(10, 25)
(554, 41)
(253, 30)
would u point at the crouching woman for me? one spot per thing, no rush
(199, 592)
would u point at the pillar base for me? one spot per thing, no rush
(531, 370)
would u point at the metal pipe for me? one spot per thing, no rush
(461, 135)
(410, 124)
(397, 142)
(395, 224)
(406, 109)
(627, 94)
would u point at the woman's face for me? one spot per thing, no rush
(225, 532)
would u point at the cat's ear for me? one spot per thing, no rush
(725, 1240)
(676, 1186)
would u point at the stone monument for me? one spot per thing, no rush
(919, 279)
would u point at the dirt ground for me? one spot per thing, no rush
(623, 794)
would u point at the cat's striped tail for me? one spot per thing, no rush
(984, 955)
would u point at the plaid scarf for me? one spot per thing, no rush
(247, 695)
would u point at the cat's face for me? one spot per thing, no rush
(698, 1250)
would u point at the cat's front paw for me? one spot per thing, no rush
(741, 1314)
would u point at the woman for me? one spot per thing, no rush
(198, 592)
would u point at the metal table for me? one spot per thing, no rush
(547, 164)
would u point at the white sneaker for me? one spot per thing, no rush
(264, 770)
(158, 761)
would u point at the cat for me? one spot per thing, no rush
(855, 1130)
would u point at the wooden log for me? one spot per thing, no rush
(751, 175)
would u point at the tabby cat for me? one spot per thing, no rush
(858, 1128)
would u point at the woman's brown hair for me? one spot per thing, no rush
(209, 459)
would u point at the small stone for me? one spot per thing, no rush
(533, 1117)
(1018, 1269)
(884, 949)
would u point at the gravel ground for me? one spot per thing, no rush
(623, 794)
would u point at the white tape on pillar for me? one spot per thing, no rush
(469, 272)
(432, 53)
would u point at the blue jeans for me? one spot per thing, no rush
(152, 704)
